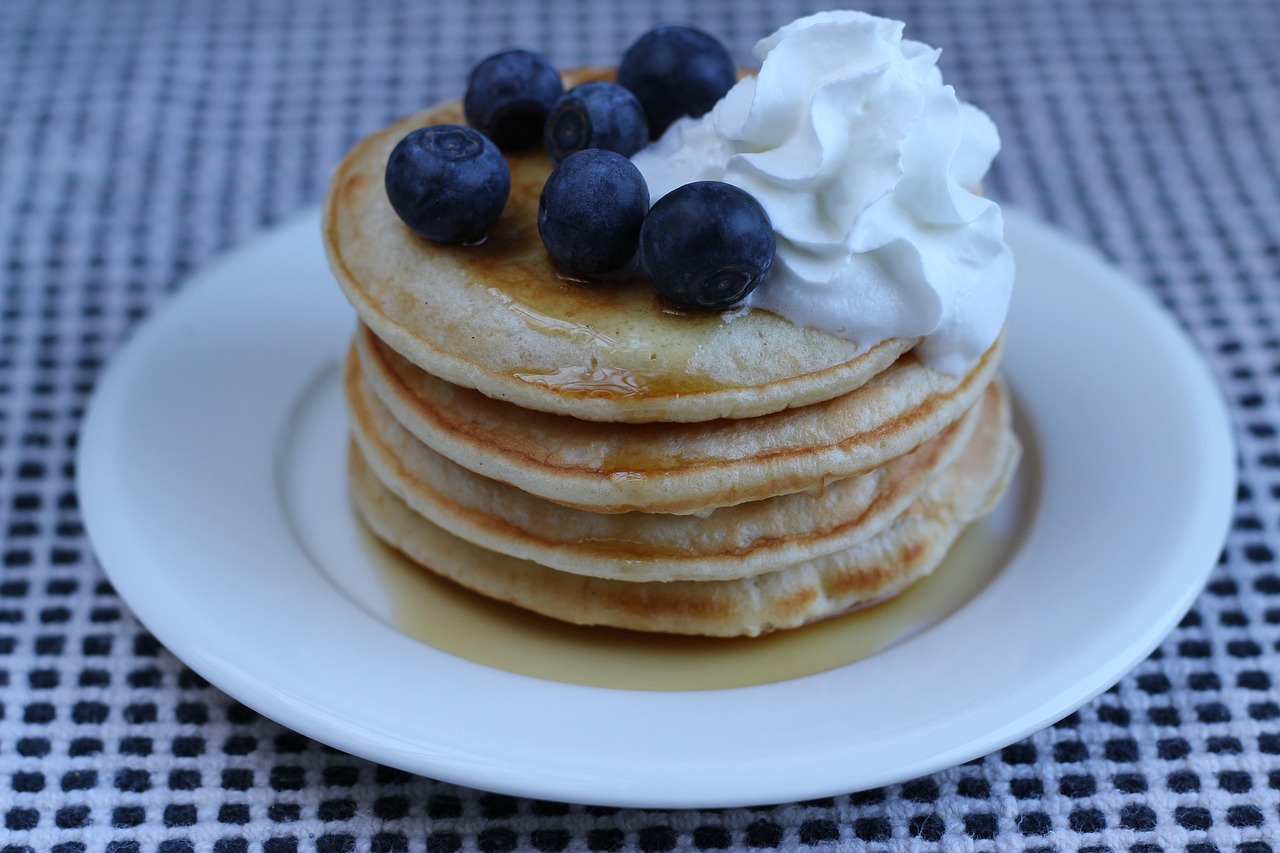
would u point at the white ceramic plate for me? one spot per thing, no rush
(205, 452)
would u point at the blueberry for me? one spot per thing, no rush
(591, 210)
(596, 115)
(509, 95)
(676, 71)
(448, 183)
(706, 245)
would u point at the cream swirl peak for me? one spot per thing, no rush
(867, 165)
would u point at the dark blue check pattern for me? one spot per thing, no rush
(138, 140)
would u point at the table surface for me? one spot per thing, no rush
(139, 140)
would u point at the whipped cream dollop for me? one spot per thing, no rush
(868, 166)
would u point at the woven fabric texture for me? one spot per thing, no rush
(139, 140)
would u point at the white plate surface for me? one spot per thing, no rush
(195, 478)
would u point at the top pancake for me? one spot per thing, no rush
(498, 318)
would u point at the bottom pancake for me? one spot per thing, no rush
(908, 549)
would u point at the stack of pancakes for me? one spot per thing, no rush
(583, 450)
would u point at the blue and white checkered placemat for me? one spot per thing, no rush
(138, 140)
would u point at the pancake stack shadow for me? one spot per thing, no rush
(581, 450)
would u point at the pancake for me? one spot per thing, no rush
(730, 542)
(498, 318)
(910, 548)
(675, 468)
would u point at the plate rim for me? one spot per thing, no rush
(379, 741)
